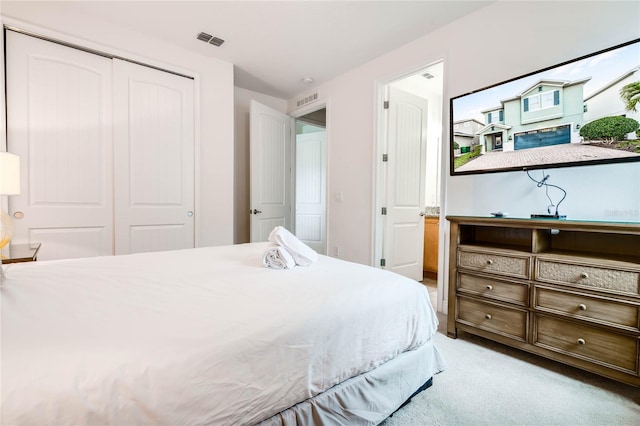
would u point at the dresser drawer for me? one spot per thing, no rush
(566, 272)
(512, 292)
(498, 319)
(508, 264)
(588, 307)
(588, 343)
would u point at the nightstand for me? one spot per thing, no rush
(14, 253)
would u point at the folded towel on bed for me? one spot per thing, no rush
(302, 253)
(277, 257)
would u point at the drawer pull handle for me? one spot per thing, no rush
(489, 262)
(582, 342)
(582, 307)
(584, 275)
(487, 316)
(489, 287)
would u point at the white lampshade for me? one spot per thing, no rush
(9, 174)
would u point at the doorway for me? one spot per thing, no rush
(494, 142)
(411, 250)
(311, 179)
(288, 169)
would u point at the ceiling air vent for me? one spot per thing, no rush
(208, 38)
(308, 99)
(205, 37)
(216, 41)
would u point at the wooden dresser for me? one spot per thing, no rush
(566, 290)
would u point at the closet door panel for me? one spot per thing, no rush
(59, 122)
(154, 157)
(145, 238)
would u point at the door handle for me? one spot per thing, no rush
(255, 211)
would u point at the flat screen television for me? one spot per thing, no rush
(566, 115)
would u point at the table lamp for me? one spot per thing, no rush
(9, 185)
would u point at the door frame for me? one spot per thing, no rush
(295, 114)
(379, 186)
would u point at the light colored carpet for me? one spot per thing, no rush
(491, 384)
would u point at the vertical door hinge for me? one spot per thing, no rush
(386, 105)
(385, 157)
(384, 210)
(383, 262)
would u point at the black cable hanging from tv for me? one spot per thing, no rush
(543, 183)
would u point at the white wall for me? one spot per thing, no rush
(524, 37)
(241, 183)
(214, 93)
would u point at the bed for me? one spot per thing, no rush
(211, 336)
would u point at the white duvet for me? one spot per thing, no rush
(200, 336)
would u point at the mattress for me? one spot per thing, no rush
(198, 336)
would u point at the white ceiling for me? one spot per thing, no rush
(274, 44)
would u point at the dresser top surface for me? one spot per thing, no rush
(630, 226)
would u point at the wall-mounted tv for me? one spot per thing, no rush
(579, 112)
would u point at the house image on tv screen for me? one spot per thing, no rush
(465, 133)
(550, 112)
(606, 102)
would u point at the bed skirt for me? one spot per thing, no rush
(367, 399)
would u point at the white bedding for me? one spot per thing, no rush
(200, 336)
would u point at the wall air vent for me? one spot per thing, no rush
(427, 75)
(307, 99)
(208, 38)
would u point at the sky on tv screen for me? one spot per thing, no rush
(602, 69)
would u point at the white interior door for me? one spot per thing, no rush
(403, 246)
(270, 170)
(59, 123)
(311, 189)
(154, 159)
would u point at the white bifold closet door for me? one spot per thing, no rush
(106, 152)
(59, 123)
(154, 159)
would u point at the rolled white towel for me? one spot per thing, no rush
(302, 253)
(277, 257)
